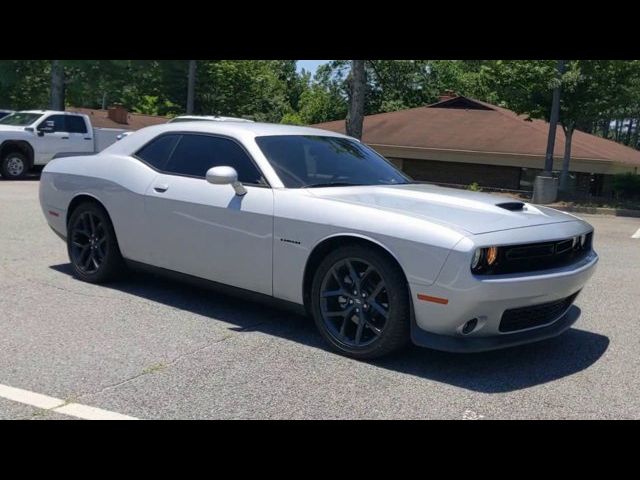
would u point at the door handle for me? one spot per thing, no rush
(64, 138)
(161, 188)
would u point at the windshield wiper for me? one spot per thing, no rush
(334, 184)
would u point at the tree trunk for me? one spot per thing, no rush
(634, 141)
(606, 127)
(618, 129)
(57, 86)
(564, 175)
(553, 121)
(191, 86)
(358, 84)
(627, 140)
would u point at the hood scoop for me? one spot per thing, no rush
(512, 206)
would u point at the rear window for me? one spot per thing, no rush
(76, 124)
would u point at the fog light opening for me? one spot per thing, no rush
(470, 326)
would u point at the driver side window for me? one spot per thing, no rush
(53, 123)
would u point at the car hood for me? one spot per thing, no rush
(472, 212)
(11, 128)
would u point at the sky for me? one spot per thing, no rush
(310, 65)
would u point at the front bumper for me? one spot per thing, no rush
(439, 325)
(468, 344)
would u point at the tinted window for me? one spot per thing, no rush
(195, 154)
(54, 123)
(306, 161)
(76, 124)
(157, 152)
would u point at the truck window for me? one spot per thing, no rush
(76, 124)
(53, 123)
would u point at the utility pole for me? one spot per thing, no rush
(553, 120)
(545, 189)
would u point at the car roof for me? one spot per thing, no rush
(243, 131)
(232, 128)
(215, 118)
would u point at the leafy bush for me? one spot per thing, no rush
(627, 184)
(474, 187)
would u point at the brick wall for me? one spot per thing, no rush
(463, 173)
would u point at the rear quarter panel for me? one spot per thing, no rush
(118, 182)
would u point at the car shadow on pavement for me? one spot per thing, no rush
(497, 371)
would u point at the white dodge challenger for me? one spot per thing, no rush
(319, 221)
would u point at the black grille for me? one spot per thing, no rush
(538, 256)
(534, 316)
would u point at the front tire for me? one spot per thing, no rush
(360, 302)
(92, 245)
(14, 166)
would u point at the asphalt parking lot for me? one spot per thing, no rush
(152, 348)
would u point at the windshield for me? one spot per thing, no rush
(319, 161)
(20, 119)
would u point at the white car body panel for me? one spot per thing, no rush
(262, 241)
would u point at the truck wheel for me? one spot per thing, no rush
(14, 166)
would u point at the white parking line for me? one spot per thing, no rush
(58, 405)
(636, 235)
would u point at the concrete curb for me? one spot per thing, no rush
(618, 212)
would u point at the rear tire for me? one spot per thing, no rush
(360, 302)
(14, 166)
(92, 245)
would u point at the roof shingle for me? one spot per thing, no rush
(496, 130)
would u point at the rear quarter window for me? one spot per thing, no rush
(157, 151)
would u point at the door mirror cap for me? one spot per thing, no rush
(225, 176)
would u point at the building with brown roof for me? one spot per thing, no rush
(459, 140)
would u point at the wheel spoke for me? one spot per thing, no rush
(366, 273)
(334, 293)
(87, 262)
(353, 274)
(340, 313)
(79, 245)
(345, 321)
(378, 308)
(92, 224)
(361, 322)
(376, 291)
(377, 331)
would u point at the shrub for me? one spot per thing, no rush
(474, 187)
(627, 184)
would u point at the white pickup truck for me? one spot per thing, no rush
(33, 137)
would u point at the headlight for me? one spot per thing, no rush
(583, 240)
(492, 255)
(484, 258)
(475, 261)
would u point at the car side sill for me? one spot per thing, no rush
(218, 287)
(460, 344)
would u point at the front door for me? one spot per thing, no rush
(207, 230)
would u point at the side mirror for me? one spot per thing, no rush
(45, 127)
(226, 176)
